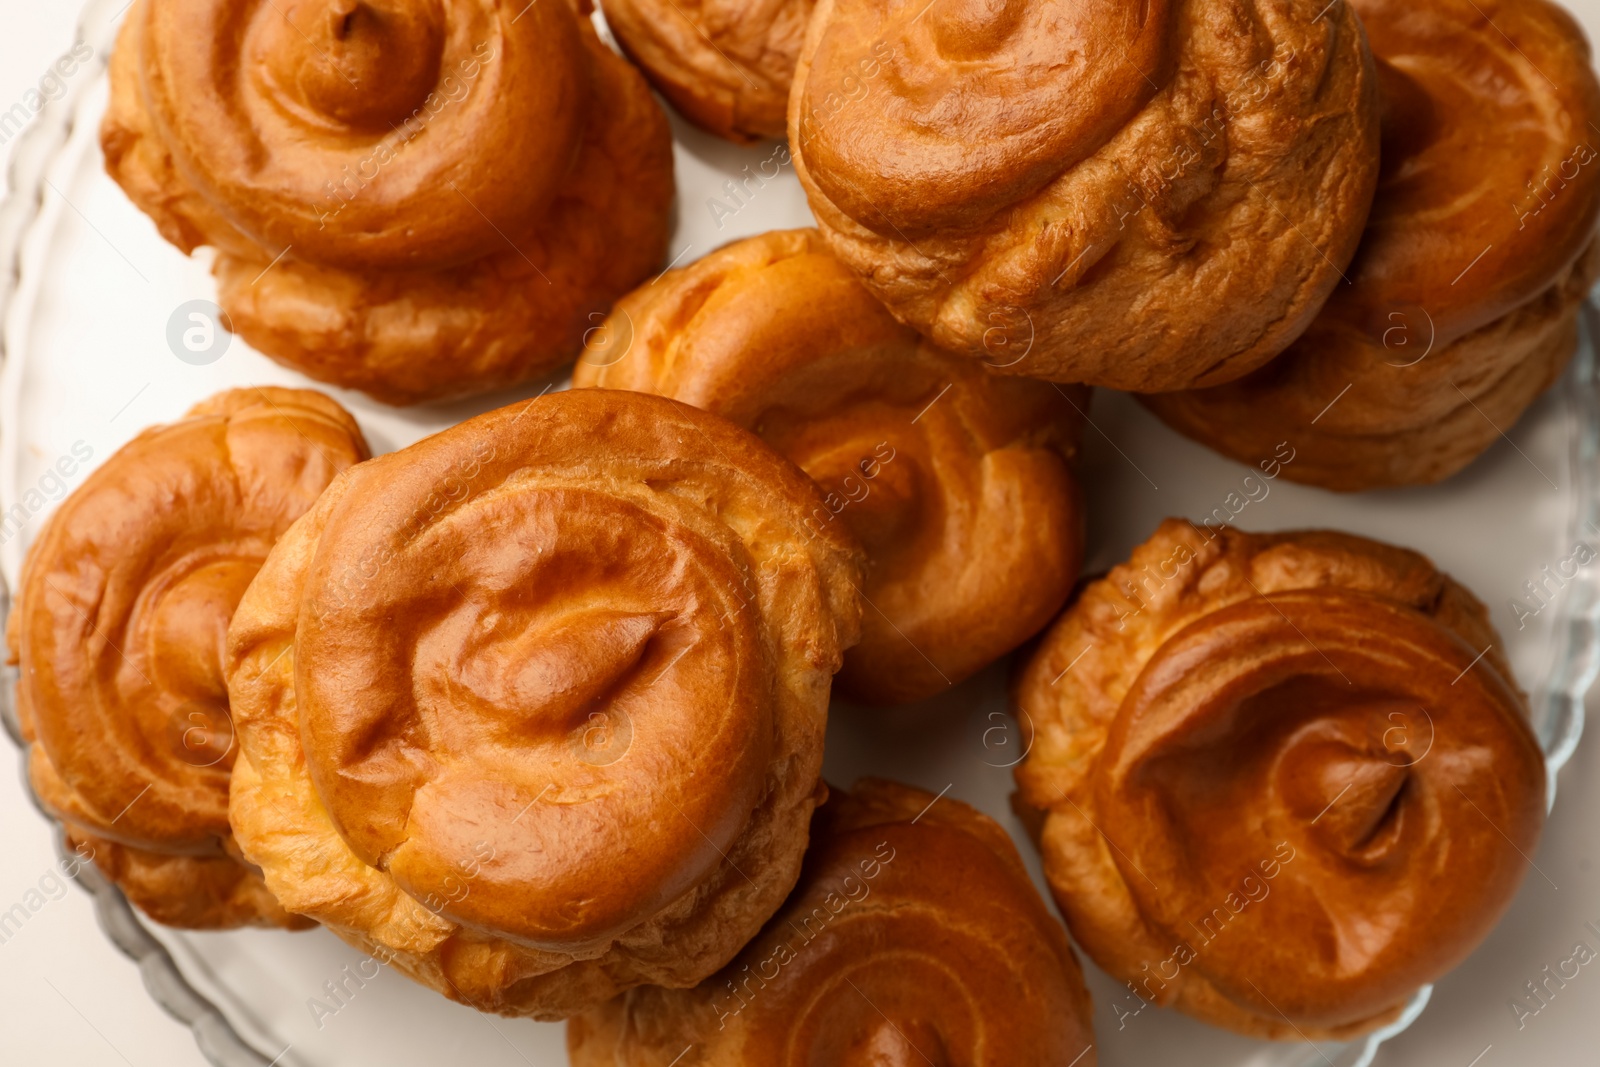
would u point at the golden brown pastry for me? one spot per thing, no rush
(913, 938)
(1141, 195)
(535, 707)
(413, 198)
(119, 630)
(726, 64)
(1464, 294)
(1287, 778)
(959, 484)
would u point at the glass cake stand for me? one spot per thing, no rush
(87, 291)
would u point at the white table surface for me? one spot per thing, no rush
(67, 997)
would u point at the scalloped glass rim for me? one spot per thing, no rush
(31, 156)
(1557, 705)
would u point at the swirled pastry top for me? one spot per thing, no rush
(1313, 778)
(126, 598)
(726, 64)
(1100, 178)
(1519, 101)
(540, 687)
(914, 937)
(958, 483)
(417, 198)
(293, 96)
(1463, 295)
(125, 602)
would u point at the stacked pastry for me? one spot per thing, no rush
(1165, 211)
(415, 199)
(1094, 180)
(960, 485)
(534, 709)
(1462, 302)
(1286, 780)
(914, 936)
(120, 627)
(1195, 174)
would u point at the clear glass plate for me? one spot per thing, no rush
(88, 289)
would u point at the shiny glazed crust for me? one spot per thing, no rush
(119, 630)
(959, 484)
(1464, 294)
(725, 64)
(1288, 782)
(449, 233)
(914, 937)
(1073, 191)
(534, 708)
